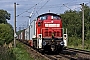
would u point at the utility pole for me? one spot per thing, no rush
(82, 25)
(14, 25)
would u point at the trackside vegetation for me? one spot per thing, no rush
(6, 30)
(6, 34)
(72, 20)
(6, 37)
(21, 53)
(6, 54)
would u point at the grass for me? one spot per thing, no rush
(21, 53)
(75, 42)
(6, 54)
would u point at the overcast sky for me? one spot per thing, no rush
(38, 7)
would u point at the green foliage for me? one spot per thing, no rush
(6, 54)
(21, 52)
(75, 42)
(6, 33)
(72, 20)
(88, 35)
(87, 44)
(3, 16)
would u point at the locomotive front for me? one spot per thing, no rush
(49, 32)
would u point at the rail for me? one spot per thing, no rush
(66, 54)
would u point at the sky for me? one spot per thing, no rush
(25, 7)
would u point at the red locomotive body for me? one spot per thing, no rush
(45, 33)
(48, 24)
(49, 32)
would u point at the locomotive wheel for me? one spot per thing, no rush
(47, 49)
(60, 49)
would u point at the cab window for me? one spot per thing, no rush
(56, 17)
(43, 17)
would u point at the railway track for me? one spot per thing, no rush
(71, 54)
(62, 56)
(80, 54)
(78, 50)
(67, 54)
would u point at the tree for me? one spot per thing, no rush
(3, 16)
(6, 33)
(72, 21)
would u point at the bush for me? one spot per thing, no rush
(6, 54)
(74, 41)
(87, 44)
(6, 34)
(21, 53)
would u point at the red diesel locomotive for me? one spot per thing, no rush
(45, 33)
(49, 33)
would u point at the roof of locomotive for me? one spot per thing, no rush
(48, 14)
